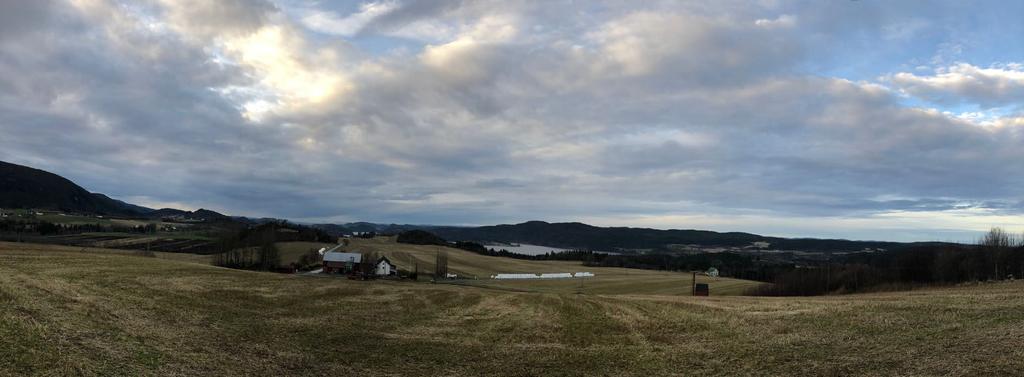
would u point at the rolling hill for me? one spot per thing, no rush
(68, 312)
(25, 187)
(30, 188)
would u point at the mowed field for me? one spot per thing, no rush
(292, 252)
(477, 269)
(71, 312)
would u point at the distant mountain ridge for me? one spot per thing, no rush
(199, 214)
(30, 188)
(579, 235)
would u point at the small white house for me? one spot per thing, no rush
(712, 272)
(385, 267)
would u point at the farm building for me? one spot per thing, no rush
(385, 267)
(335, 262)
(712, 272)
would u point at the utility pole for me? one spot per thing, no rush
(693, 283)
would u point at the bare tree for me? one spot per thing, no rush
(441, 265)
(997, 238)
(998, 243)
(368, 266)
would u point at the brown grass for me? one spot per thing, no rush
(292, 252)
(100, 313)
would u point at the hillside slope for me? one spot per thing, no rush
(25, 187)
(74, 313)
(30, 188)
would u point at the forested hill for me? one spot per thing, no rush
(579, 235)
(29, 188)
(25, 187)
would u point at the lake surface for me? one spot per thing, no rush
(527, 249)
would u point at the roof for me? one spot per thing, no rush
(334, 248)
(343, 257)
(384, 259)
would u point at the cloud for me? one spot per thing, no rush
(665, 114)
(328, 22)
(20, 17)
(995, 86)
(206, 19)
(697, 47)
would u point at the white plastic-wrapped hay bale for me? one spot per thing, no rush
(560, 275)
(584, 274)
(515, 276)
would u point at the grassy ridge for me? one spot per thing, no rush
(75, 313)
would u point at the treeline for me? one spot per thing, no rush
(46, 228)
(418, 237)
(252, 248)
(999, 255)
(729, 264)
(585, 256)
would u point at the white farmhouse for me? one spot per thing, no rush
(712, 272)
(385, 267)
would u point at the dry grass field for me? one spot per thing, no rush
(100, 313)
(478, 269)
(292, 252)
(43, 249)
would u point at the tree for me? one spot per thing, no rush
(441, 265)
(369, 264)
(997, 239)
(997, 244)
(268, 257)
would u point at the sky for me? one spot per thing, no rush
(883, 120)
